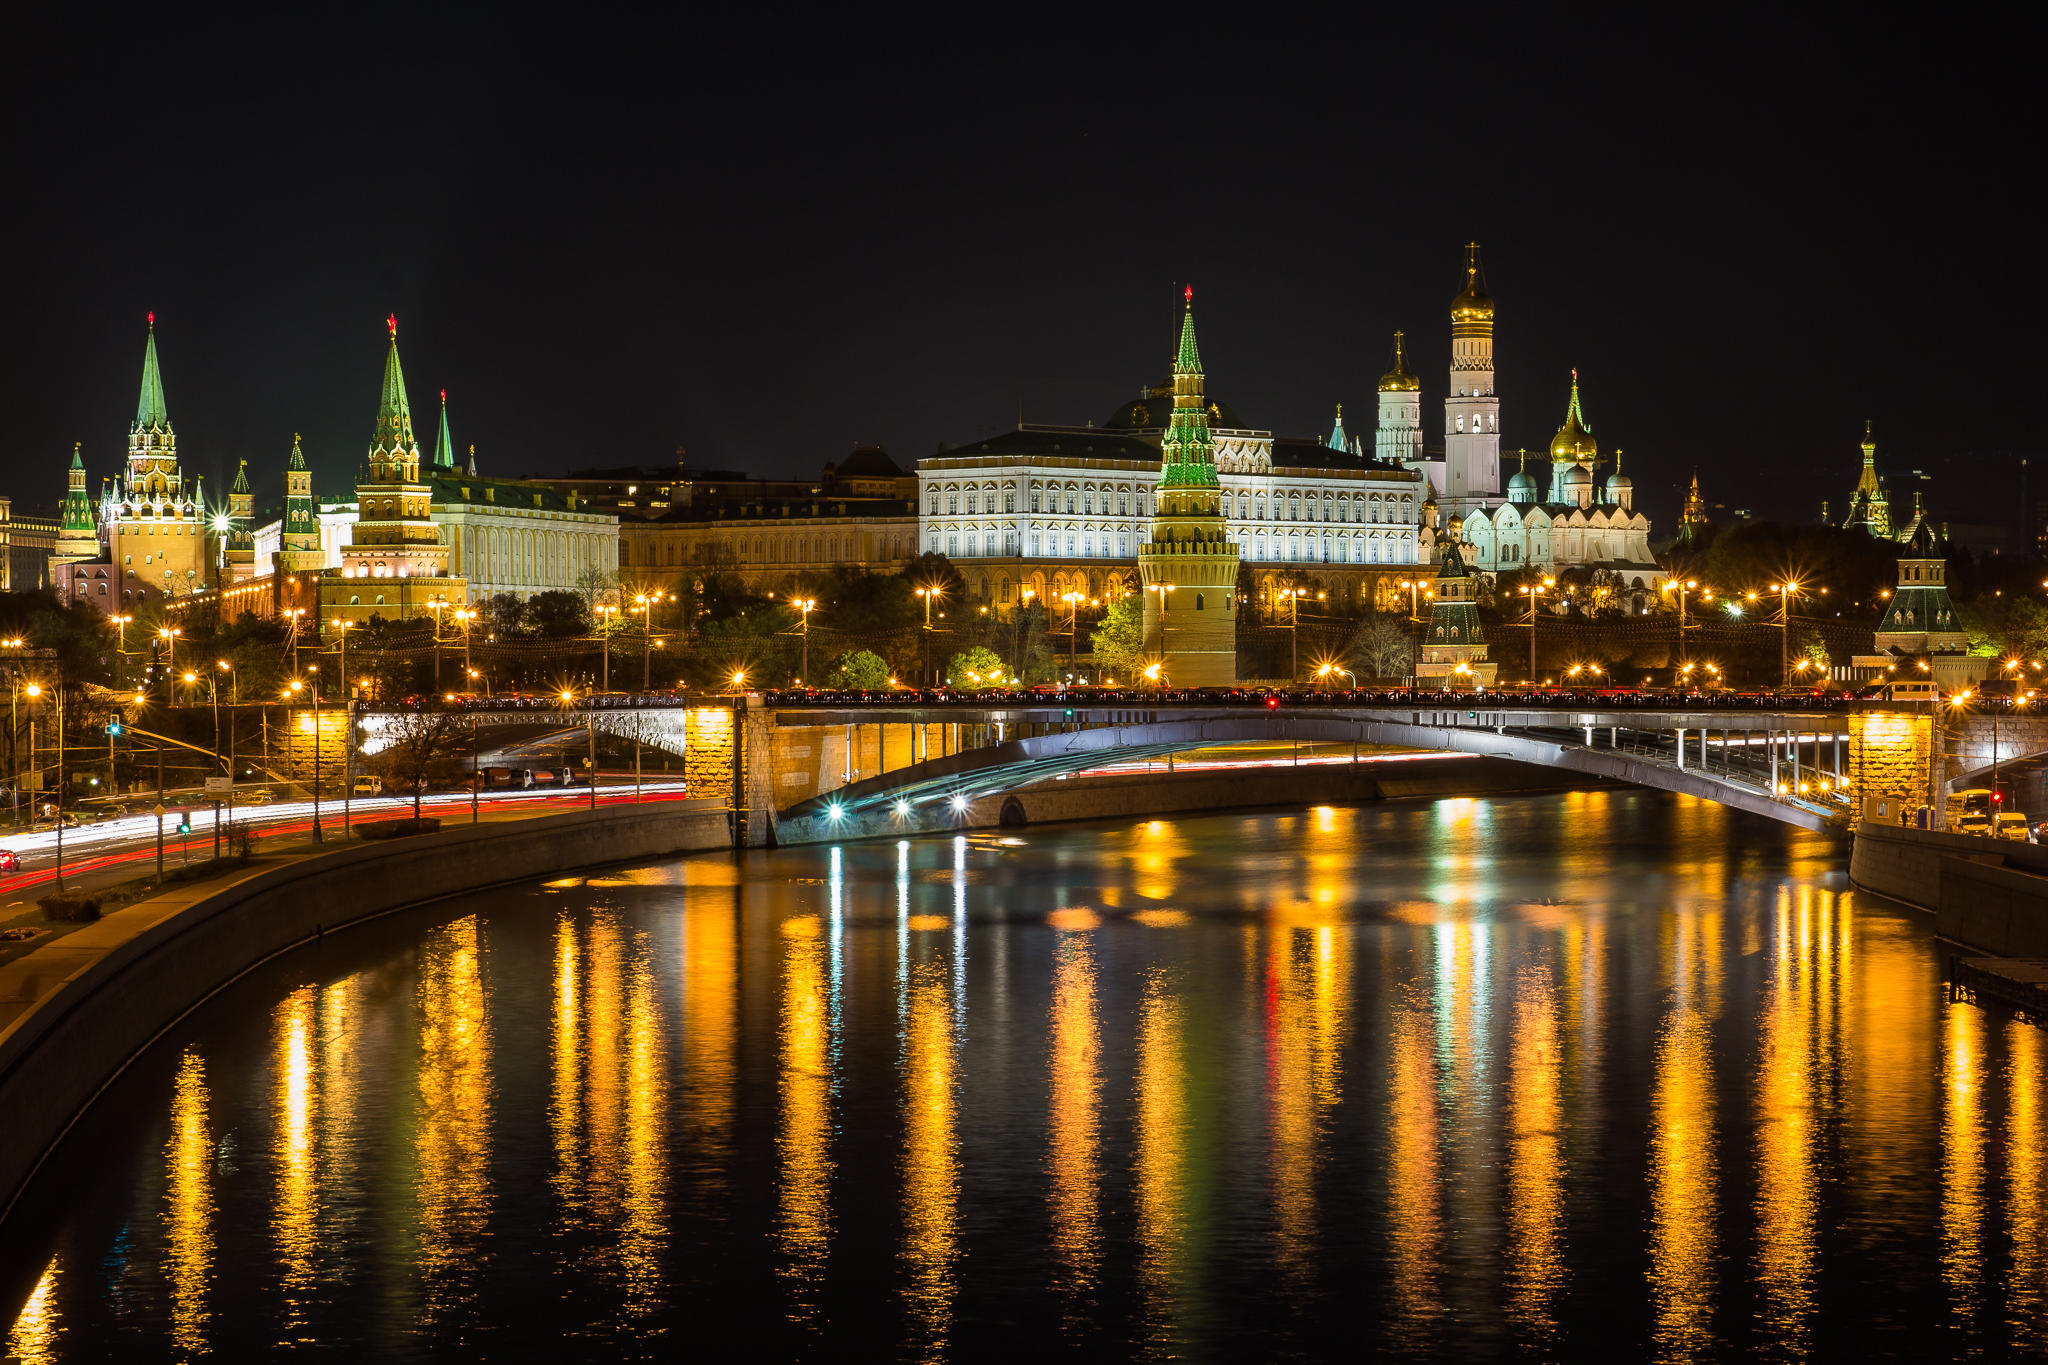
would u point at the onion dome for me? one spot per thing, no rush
(1574, 440)
(1398, 379)
(1619, 485)
(1577, 484)
(1522, 487)
(1474, 304)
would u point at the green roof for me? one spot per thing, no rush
(1189, 360)
(444, 449)
(150, 410)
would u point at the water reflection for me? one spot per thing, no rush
(930, 1176)
(1306, 1107)
(1535, 1175)
(1074, 1141)
(188, 1206)
(804, 1144)
(452, 1117)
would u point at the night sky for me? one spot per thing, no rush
(769, 245)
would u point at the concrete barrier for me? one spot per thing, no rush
(100, 995)
(1991, 895)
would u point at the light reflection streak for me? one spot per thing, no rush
(188, 1212)
(710, 977)
(1535, 1175)
(1682, 1181)
(644, 1230)
(1075, 1139)
(451, 1141)
(295, 1213)
(1415, 1219)
(930, 1174)
(2026, 1149)
(1962, 1161)
(1161, 1157)
(804, 1216)
(39, 1326)
(1307, 980)
(1791, 1093)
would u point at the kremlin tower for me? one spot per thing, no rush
(78, 531)
(1471, 468)
(1187, 563)
(1398, 439)
(156, 533)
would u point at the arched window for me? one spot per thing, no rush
(952, 502)
(973, 503)
(1198, 601)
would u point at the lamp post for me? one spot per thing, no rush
(930, 595)
(1017, 629)
(646, 600)
(120, 647)
(466, 617)
(1683, 587)
(169, 635)
(806, 605)
(604, 633)
(1532, 591)
(1160, 668)
(1786, 591)
(437, 605)
(1073, 601)
(1293, 596)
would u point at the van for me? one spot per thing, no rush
(1970, 822)
(367, 786)
(2012, 824)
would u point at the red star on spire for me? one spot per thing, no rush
(1191, 294)
(152, 319)
(392, 323)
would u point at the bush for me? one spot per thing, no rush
(74, 906)
(396, 829)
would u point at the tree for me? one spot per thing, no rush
(594, 587)
(421, 747)
(1382, 647)
(1119, 638)
(860, 668)
(932, 569)
(980, 665)
(558, 614)
(503, 614)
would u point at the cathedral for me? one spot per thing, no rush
(1564, 518)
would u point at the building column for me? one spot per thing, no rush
(1795, 764)
(1681, 749)
(1771, 743)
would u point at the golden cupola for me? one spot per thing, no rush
(1573, 443)
(1398, 379)
(1474, 305)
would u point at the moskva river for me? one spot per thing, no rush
(1616, 1074)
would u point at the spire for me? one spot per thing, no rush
(1189, 361)
(1398, 379)
(1337, 441)
(1187, 456)
(394, 408)
(241, 484)
(444, 449)
(472, 460)
(78, 523)
(150, 410)
(1575, 415)
(298, 459)
(395, 452)
(77, 460)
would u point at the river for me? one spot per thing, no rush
(1532, 1077)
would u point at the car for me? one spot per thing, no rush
(8, 861)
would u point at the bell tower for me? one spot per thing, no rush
(1471, 408)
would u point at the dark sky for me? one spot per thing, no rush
(767, 244)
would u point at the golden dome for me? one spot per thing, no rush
(1574, 440)
(1398, 380)
(1475, 304)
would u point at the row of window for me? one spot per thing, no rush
(1254, 545)
(1083, 500)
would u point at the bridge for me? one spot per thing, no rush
(801, 768)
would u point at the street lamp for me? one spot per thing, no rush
(806, 605)
(1293, 596)
(169, 635)
(1162, 589)
(1786, 591)
(1682, 587)
(1532, 591)
(1017, 627)
(645, 601)
(120, 645)
(930, 594)
(739, 676)
(604, 631)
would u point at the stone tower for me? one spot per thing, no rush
(78, 532)
(1920, 618)
(1398, 438)
(1472, 408)
(1869, 505)
(241, 540)
(157, 533)
(1187, 564)
(1455, 639)
(300, 552)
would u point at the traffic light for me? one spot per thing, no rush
(114, 729)
(184, 822)
(1070, 713)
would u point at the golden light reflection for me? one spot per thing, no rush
(930, 1163)
(1962, 1160)
(2026, 1165)
(295, 1213)
(451, 1138)
(1682, 1179)
(1161, 1158)
(1415, 1219)
(39, 1326)
(804, 1226)
(1794, 1087)
(188, 1212)
(1535, 1174)
(1160, 919)
(643, 1232)
(1075, 1137)
(1307, 998)
(1153, 858)
(1073, 918)
(710, 978)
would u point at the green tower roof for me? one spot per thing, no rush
(298, 459)
(1189, 361)
(77, 460)
(444, 449)
(1186, 449)
(393, 404)
(150, 410)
